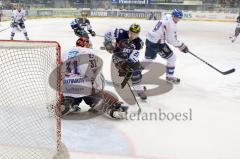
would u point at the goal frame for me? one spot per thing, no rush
(59, 93)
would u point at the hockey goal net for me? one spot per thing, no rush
(30, 83)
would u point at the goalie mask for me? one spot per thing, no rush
(83, 42)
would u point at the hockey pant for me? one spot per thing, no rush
(18, 27)
(152, 49)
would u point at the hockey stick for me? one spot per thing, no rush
(100, 36)
(4, 29)
(97, 35)
(222, 72)
(139, 108)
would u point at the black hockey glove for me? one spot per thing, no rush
(183, 48)
(93, 33)
(127, 71)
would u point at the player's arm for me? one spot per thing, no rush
(89, 28)
(110, 40)
(171, 37)
(13, 20)
(74, 24)
(135, 51)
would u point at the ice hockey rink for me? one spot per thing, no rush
(213, 131)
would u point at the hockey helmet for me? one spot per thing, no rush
(135, 28)
(84, 14)
(177, 13)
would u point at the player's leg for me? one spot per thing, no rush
(14, 29)
(234, 37)
(22, 26)
(136, 83)
(167, 54)
(237, 32)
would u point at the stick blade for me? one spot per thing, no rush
(228, 72)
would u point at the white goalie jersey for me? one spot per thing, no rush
(18, 17)
(81, 72)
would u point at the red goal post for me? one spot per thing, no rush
(30, 100)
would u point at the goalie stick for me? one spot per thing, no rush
(222, 72)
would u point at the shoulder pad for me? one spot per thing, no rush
(138, 43)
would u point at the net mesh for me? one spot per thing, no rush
(28, 125)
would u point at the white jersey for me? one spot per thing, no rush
(18, 16)
(164, 31)
(81, 72)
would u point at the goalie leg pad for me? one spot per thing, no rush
(118, 111)
(68, 105)
(111, 106)
(92, 100)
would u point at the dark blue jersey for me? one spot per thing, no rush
(126, 48)
(238, 19)
(80, 23)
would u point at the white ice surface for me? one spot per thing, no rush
(214, 99)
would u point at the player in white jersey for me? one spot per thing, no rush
(17, 22)
(164, 33)
(237, 30)
(82, 80)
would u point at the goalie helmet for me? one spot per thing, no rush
(135, 28)
(83, 42)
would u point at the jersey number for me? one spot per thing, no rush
(72, 65)
(158, 25)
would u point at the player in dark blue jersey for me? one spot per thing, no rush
(79, 25)
(125, 46)
(237, 30)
